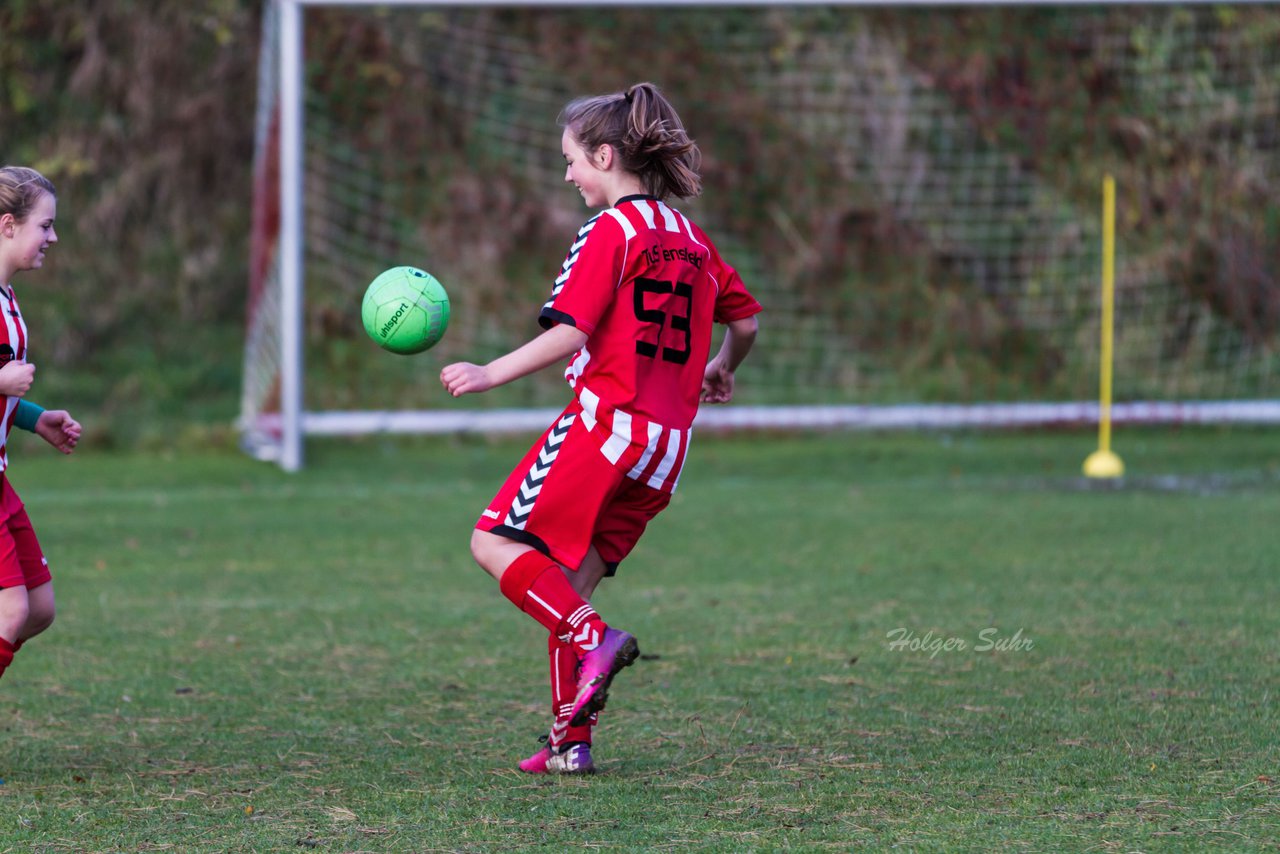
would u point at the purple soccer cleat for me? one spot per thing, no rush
(618, 650)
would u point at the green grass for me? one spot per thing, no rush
(250, 661)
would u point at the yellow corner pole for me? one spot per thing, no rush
(1102, 463)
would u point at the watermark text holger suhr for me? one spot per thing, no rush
(989, 639)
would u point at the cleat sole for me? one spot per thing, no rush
(624, 657)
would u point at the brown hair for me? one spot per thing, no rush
(20, 189)
(646, 134)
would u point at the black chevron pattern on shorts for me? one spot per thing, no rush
(522, 504)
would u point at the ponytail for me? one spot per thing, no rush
(647, 135)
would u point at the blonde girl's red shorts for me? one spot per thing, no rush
(22, 561)
(565, 496)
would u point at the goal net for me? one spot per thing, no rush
(921, 219)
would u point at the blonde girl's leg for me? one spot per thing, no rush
(13, 617)
(40, 611)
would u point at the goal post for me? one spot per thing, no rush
(919, 267)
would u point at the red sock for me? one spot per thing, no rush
(563, 659)
(537, 586)
(564, 686)
(6, 654)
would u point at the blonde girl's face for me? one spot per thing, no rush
(585, 171)
(24, 244)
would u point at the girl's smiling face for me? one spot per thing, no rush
(26, 242)
(583, 172)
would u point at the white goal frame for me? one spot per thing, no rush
(294, 422)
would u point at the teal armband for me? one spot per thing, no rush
(26, 415)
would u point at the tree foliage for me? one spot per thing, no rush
(141, 111)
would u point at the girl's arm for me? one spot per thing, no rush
(58, 428)
(556, 344)
(55, 426)
(717, 381)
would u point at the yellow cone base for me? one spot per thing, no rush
(1103, 464)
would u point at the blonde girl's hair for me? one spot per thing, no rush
(20, 189)
(645, 132)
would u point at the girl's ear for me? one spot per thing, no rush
(604, 156)
(7, 224)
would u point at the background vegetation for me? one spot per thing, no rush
(142, 112)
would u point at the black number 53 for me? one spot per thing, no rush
(673, 315)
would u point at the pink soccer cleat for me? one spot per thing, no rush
(618, 650)
(572, 758)
(537, 763)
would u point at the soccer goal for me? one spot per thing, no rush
(923, 229)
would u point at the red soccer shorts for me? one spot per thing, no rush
(22, 562)
(565, 497)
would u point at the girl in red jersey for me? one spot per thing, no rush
(28, 206)
(632, 313)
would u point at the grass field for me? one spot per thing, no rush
(852, 642)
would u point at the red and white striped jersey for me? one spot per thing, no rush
(646, 285)
(13, 347)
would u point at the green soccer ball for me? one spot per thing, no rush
(405, 310)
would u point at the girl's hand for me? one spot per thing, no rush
(58, 428)
(16, 377)
(465, 378)
(717, 382)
